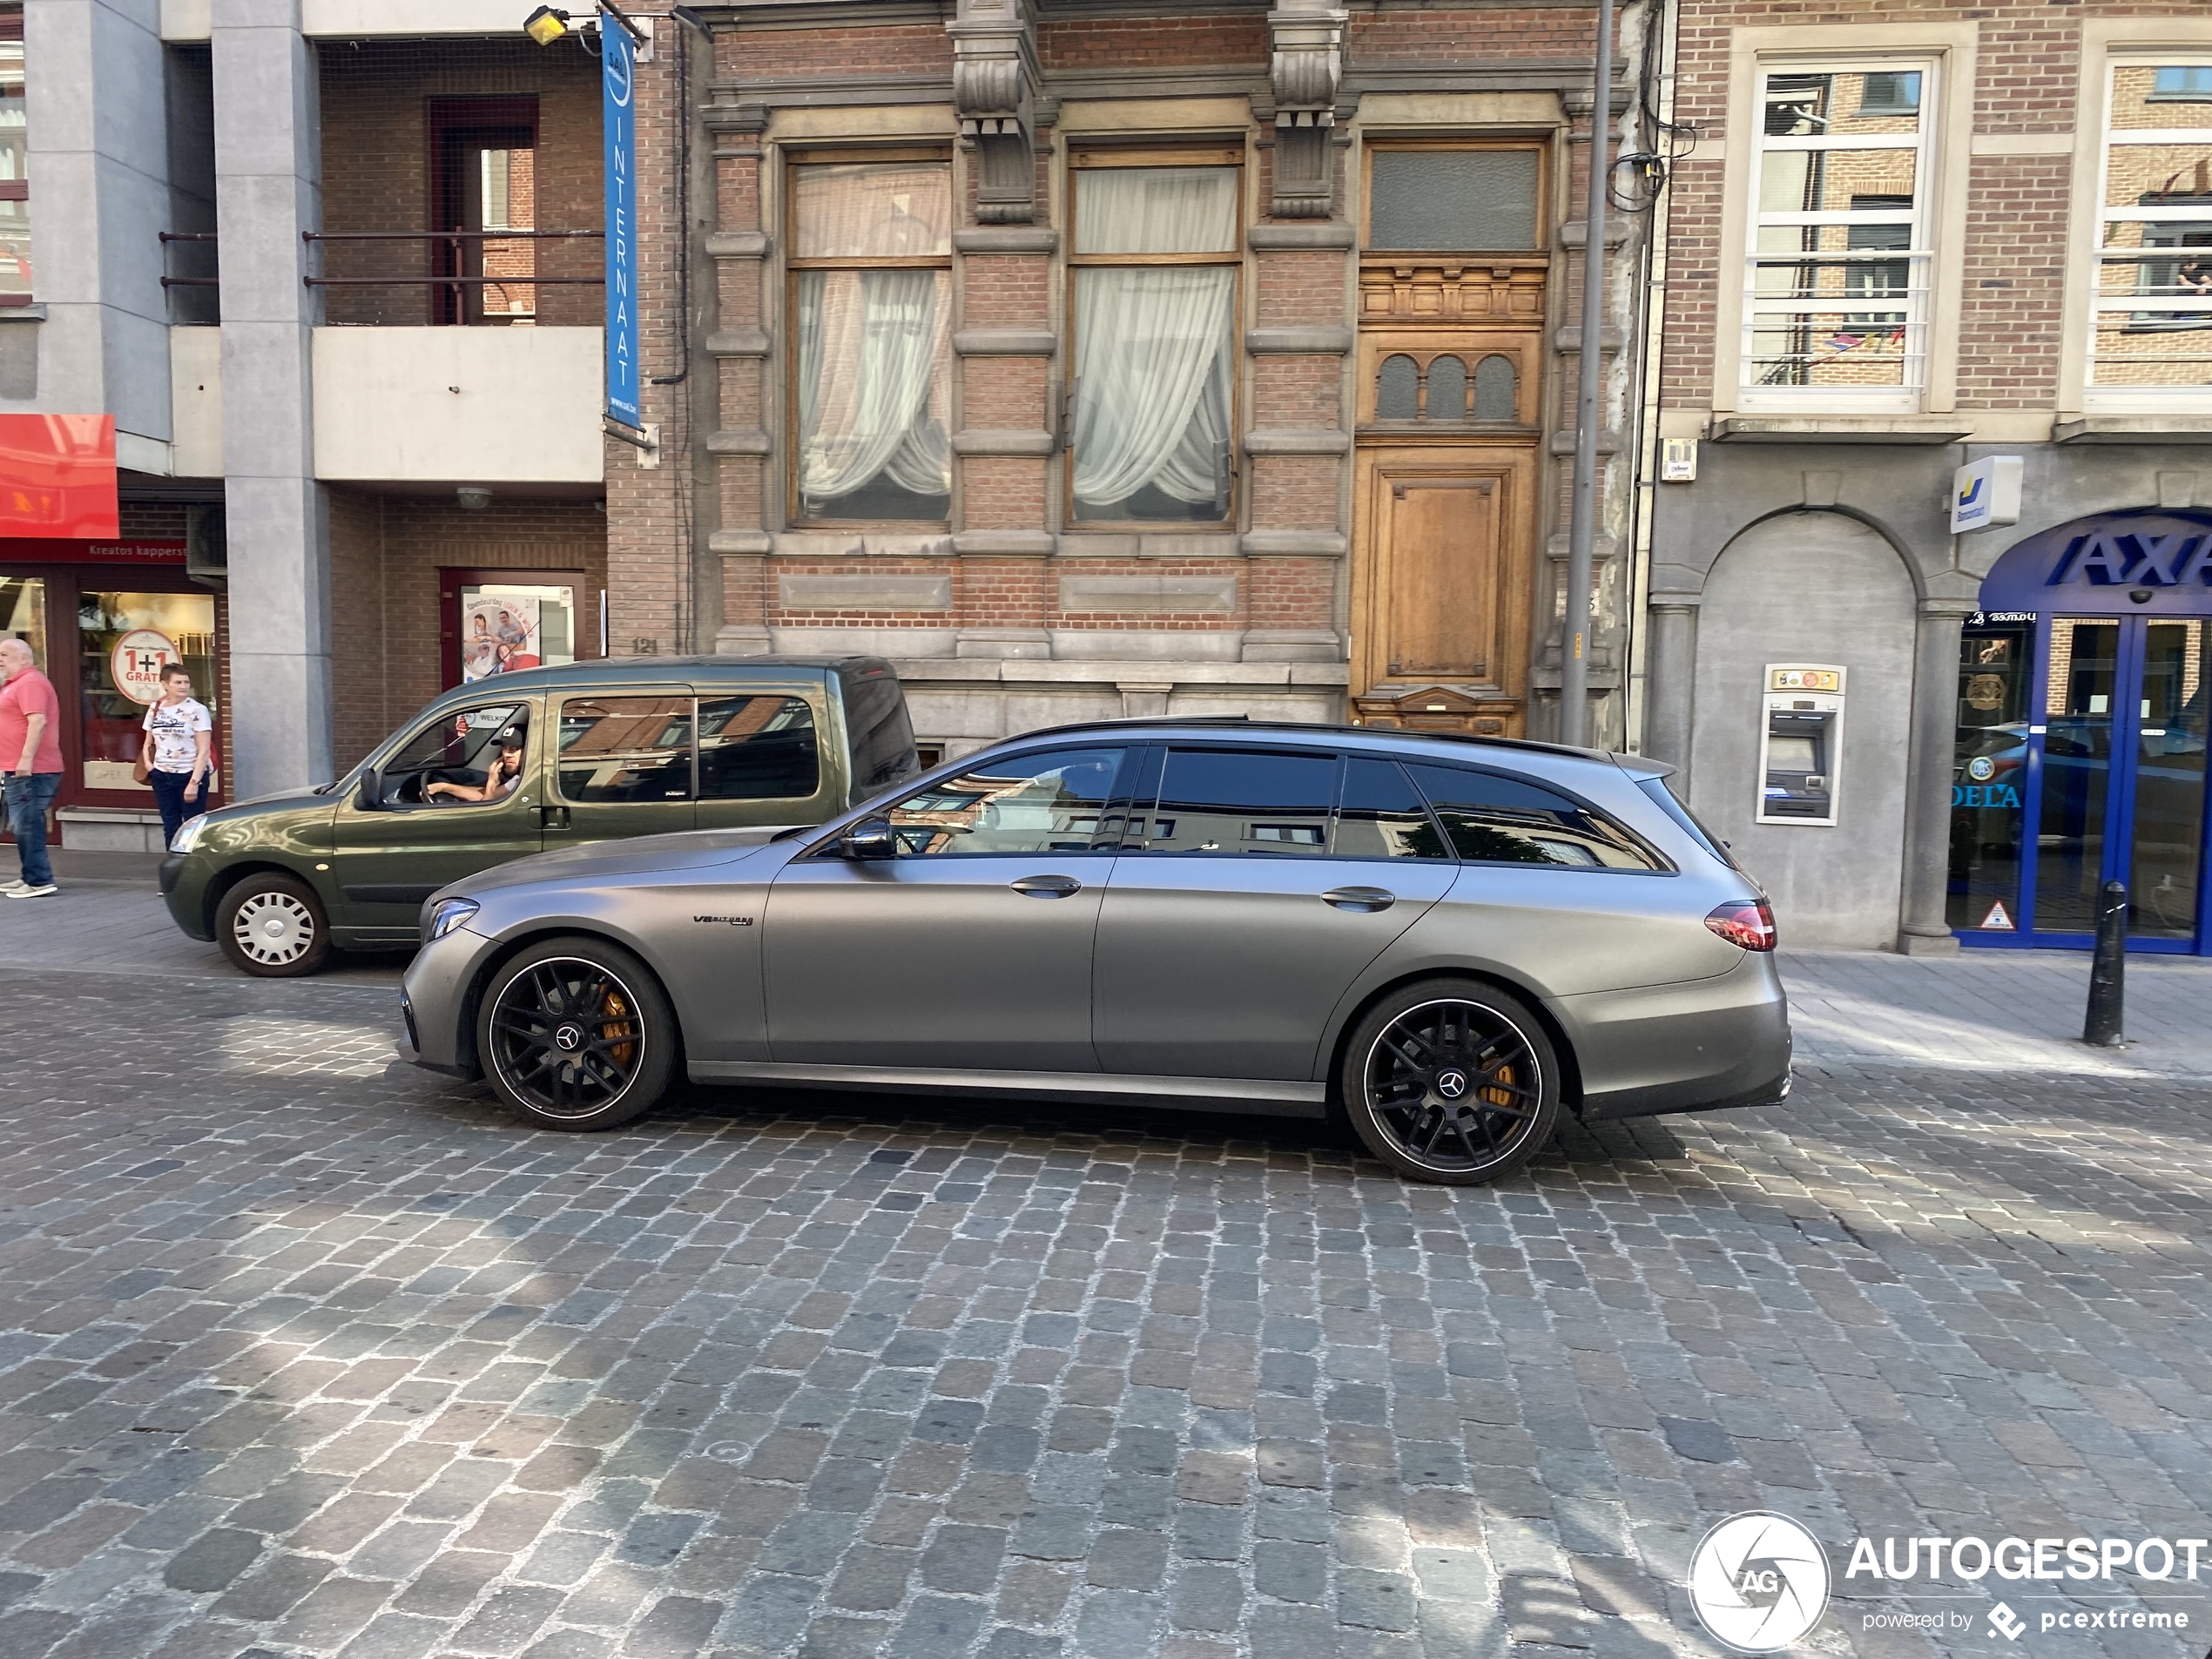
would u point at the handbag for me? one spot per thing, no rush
(142, 769)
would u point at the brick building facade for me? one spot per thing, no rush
(1910, 238)
(1335, 485)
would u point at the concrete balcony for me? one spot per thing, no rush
(461, 405)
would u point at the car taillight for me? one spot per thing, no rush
(1745, 923)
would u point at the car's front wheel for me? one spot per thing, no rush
(575, 1034)
(272, 926)
(1451, 1081)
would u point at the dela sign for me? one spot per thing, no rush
(617, 112)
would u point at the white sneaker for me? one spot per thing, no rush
(20, 891)
(10, 889)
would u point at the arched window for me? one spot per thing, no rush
(1397, 390)
(1447, 390)
(1497, 389)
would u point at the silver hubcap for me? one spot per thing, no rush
(273, 927)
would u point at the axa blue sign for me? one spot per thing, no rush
(617, 83)
(2153, 563)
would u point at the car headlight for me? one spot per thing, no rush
(188, 835)
(449, 914)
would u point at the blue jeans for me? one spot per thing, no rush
(169, 795)
(29, 793)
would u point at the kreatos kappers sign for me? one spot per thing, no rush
(2110, 564)
(618, 81)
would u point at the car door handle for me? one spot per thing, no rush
(1359, 899)
(553, 818)
(1048, 886)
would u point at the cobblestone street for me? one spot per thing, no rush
(306, 1352)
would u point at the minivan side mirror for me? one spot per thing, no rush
(870, 839)
(370, 795)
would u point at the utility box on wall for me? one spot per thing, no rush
(1801, 744)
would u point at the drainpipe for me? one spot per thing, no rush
(1575, 640)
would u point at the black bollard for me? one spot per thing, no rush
(2108, 968)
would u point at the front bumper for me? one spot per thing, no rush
(437, 1000)
(1701, 1045)
(184, 889)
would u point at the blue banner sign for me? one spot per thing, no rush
(2156, 562)
(618, 80)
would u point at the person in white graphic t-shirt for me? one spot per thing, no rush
(179, 752)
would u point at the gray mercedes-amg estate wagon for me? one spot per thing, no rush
(1449, 943)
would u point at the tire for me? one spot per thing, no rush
(272, 927)
(1451, 1081)
(576, 1034)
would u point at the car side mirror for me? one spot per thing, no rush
(870, 839)
(370, 796)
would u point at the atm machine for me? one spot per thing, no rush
(1801, 744)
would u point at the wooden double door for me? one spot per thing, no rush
(1445, 526)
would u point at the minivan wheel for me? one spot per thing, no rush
(1451, 1081)
(272, 926)
(575, 1034)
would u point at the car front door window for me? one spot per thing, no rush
(455, 759)
(1051, 802)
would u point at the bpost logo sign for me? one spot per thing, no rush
(1759, 1582)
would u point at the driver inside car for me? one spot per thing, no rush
(499, 781)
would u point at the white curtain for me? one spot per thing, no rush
(1152, 344)
(887, 211)
(874, 352)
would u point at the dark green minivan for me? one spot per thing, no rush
(529, 762)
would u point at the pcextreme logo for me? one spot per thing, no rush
(1759, 1582)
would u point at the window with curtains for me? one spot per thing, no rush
(1837, 279)
(871, 245)
(1154, 317)
(2152, 342)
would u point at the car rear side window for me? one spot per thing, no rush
(1381, 815)
(1493, 819)
(759, 747)
(625, 749)
(1218, 800)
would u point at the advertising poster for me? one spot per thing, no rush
(499, 633)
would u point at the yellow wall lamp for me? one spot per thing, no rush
(546, 24)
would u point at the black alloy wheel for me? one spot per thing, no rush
(1454, 1083)
(577, 1035)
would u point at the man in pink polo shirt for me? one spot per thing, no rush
(30, 754)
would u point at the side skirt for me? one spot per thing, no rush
(1268, 1099)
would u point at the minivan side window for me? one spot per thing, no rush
(1381, 815)
(1492, 818)
(625, 749)
(757, 747)
(1049, 802)
(1241, 801)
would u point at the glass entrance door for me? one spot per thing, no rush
(2107, 746)
(2166, 833)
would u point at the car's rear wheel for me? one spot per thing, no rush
(575, 1034)
(272, 926)
(1451, 1081)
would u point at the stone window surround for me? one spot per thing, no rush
(1950, 50)
(2103, 40)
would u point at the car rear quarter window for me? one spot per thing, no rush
(1670, 803)
(1381, 815)
(882, 733)
(1248, 801)
(759, 747)
(1494, 818)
